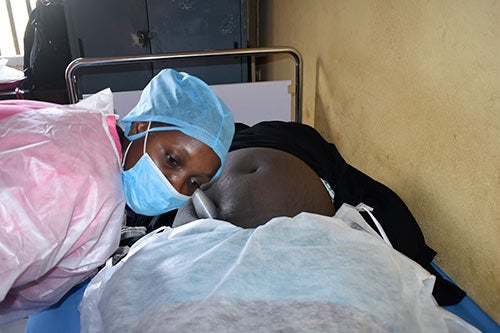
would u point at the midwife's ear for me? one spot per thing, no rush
(138, 127)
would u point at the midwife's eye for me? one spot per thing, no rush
(172, 161)
(193, 183)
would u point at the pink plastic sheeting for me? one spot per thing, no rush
(13, 106)
(61, 200)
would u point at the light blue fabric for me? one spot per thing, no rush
(307, 273)
(189, 105)
(148, 191)
(234, 262)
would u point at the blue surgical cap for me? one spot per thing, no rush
(186, 104)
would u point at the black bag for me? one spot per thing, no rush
(46, 46)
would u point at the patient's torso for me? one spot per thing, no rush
(257, 184)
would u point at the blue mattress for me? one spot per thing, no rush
(469, 311)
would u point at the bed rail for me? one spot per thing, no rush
(78, 63)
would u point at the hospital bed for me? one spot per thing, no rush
(250, 102)
(282, 102)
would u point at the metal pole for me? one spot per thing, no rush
(108, 61)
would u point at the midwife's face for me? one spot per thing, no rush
(185, 161)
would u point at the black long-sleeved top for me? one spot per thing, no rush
(353, 187)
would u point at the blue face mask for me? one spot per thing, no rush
(147, 190)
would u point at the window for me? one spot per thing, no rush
(14, 16)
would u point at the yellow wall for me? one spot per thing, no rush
(409, 91)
